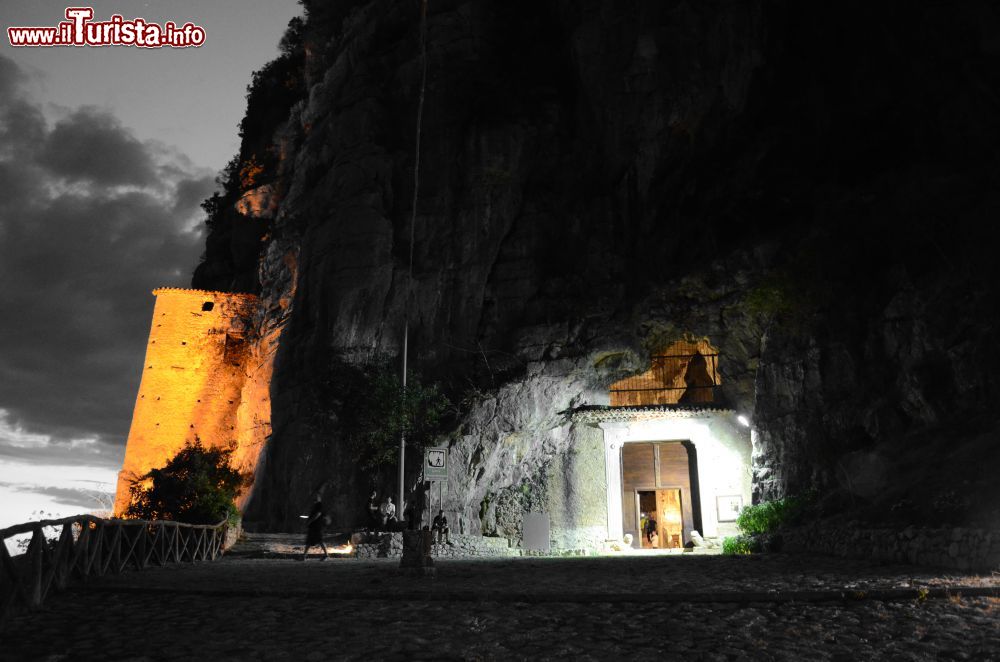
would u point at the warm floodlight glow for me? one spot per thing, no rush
(744, 421)
(203, 380)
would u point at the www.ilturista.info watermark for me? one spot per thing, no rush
(79, 30)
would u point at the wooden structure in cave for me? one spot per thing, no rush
(684, 372)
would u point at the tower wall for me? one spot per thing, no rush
(199, 381)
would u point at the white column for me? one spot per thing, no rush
(614, 435)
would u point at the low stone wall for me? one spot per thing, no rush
(958, 548)
(390, 545)
(233, 534)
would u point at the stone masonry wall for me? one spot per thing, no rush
(956, 548)
(390, 545)
(198, 383)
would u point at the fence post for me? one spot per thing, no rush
(96, 564)
(140, 547)
(116, 549)
(35, 557)
(64, 557)
(82, 552)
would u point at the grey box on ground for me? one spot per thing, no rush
(536, 532)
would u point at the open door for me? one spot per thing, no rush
(670, 524)
(661, 523)
(659, 483)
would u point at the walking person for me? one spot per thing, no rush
(314, 531)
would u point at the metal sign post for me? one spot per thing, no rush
(436, 463)
(436, 471)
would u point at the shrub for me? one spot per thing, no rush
(197, 486)
(768, 516)
(737, 545)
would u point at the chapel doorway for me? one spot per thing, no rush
(659, 493)
(661, 522)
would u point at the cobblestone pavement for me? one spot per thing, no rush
(768, 607)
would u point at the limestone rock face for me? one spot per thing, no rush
(597, 180)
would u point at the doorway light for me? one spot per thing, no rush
(744, 421)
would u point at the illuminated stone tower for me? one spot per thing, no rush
(199, 381)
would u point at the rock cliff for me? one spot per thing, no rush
(806, 187)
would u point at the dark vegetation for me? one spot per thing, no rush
(375, 410)
(234, 243)
(197, 486)
(759, 524)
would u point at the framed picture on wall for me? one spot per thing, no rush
(729, 507)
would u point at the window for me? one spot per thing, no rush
(207, 306)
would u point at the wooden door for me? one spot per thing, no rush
(669, 523)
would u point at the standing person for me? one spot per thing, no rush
(388, 511)
(651, 531)
(410, 515)
(441, 526)
(373, 514)
(314, 532)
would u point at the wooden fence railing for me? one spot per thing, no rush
(89, 546)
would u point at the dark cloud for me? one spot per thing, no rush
(94, 454)
(191, 193)
(91, 220)
(23, 127)
(11, 78)
(91, 145)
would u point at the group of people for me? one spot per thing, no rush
(382, 516)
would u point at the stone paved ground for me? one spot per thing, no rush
(769, 607)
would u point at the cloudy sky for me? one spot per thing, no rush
(105, 155)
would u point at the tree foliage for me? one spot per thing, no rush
(378, 410)
(197, 486)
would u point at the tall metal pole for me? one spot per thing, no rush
(402, 434)
(413, 224)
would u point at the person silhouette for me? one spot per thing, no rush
(698, 381)
(373, 514)
(441, 527)
(314, 530)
